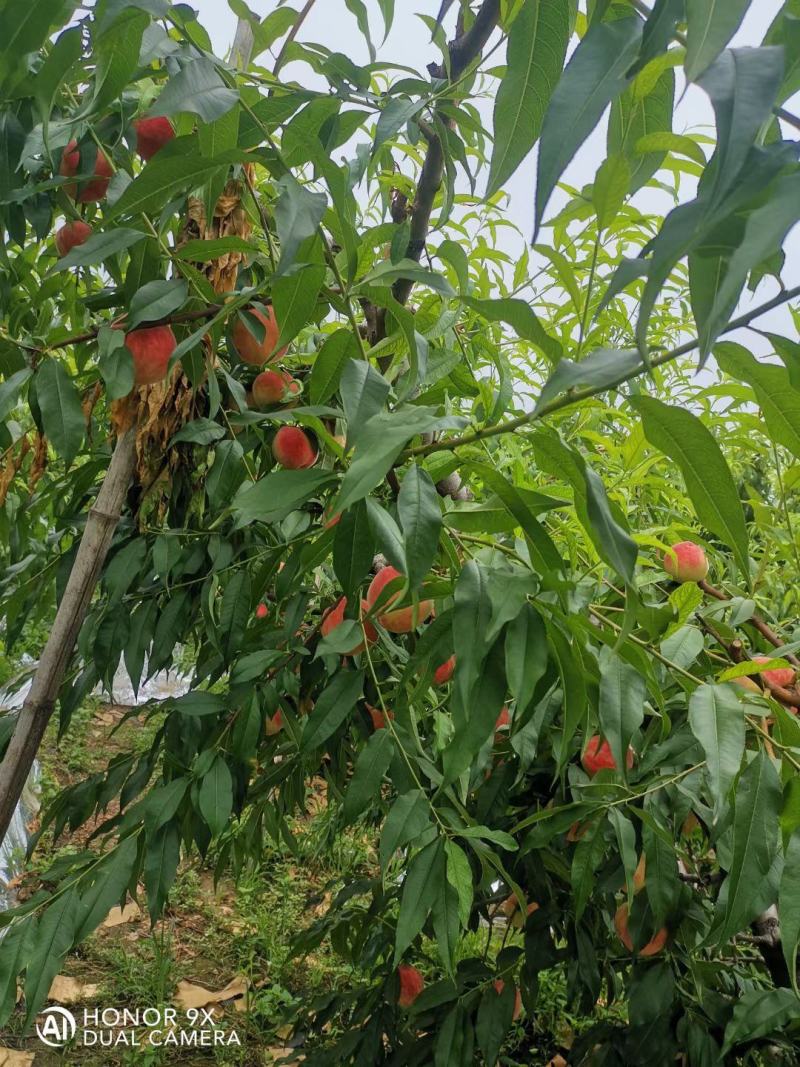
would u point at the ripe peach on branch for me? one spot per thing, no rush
(248, 347)
(401, 620)
(686, 562)
(91, 189)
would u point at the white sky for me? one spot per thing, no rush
(331, 24)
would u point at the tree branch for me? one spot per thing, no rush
(463, 50)
(576, 396)
(763, 628)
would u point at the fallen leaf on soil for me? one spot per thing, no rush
(10, 1057)
(67, 990)
(558, 1061)
(188, 995)
(277, 1054)
(117, 916)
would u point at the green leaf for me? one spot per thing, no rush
(757, 805)
(234, 614)
(408, 817)
(99, 247)
(526, 654)
(26, 26)
(227, 472)
(544, 554)
(676, 143)
(682, 437)
(55, 934)
(521, 317)
(758, 1013)
(364, 392)
(710, 26)
(196, 88)
(215, 797)
(254, 664)
(157, 300)
(789, 905)
(160, 867)
(594, 76)
(277, 494)
(380, 442)
(716, 717)
(200, 702)
(298, 212)
(387, 273)
(459, 876)
(199, 432)
(537, 45)
(294, 297)
(621, 707)
(764, 233)
(635, 124)
(10, 390)
(114, 362)
(17, 941)
(662, 883)
(353, 547)
(455, 1041)
(601, 369)
(116, 56)
(337, 350)
(421, 518)
(613, 541)
(332, 707)
(743, 83)
(485, 702)
(610, 189)
(659, 29)
(422, 885)
(60, 404)
(202, 251)
(397, 112)
(778, 399)
(107, 890)
(446, 926)
(365, 785)
(173, 170)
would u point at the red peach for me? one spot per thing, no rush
(403, 620)
(271, 387)
(686, 562)
(411, 984)
(598, 757)
(443, 674)
(334, 617)
(499, 986)
(152, 134)
(71, 235)
(275, 724)
(652, 948)
(151, 348)
(93, 189)
(246, 345)
(262, 611)
(293, 448)
(378, 717)
(782, 676)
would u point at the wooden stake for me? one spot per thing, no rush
(41, 700)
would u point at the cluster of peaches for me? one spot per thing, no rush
(152, 347)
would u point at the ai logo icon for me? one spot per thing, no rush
(56, 1026)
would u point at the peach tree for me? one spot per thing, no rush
(439, 514)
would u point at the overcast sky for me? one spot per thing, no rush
(331, 24)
